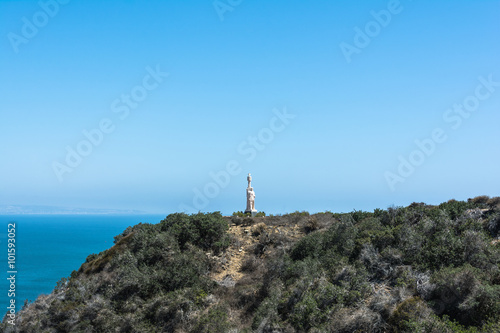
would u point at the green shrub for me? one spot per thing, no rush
(456, 208)
(207, 231)
(359, 215)
(187, 269)
(91, 257)
(354, 281)
(306, 313)
(61, 284)
(464, 294)
(266, 315)
(181, 227)
(341, 237)
(372, 231)
(308, 246)
(241, 214)
(123, 234)
(214, 321)
(302, 213)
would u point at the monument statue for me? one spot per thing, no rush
(250, 197)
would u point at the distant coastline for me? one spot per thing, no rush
(54, 210)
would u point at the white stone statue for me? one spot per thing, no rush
(250, 200)
(250, 197)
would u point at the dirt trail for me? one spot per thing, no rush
(247, 237)
(235, 254)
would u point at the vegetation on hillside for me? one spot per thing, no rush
(419, 268)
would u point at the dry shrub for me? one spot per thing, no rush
(312, 224)
(357, 320)
(373, 261)
(262, 245)
(249, 264)
(325, 220)
(412, 309)
(242, 221)
(479, 200)
(383, 302)
(424, 287)
(258, 229)
(235, 241)
(494, 203)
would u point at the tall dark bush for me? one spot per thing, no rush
(207, 231)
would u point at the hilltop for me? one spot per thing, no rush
(420, 268)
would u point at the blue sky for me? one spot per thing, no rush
(332, 129)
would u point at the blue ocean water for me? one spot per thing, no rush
(49, 247)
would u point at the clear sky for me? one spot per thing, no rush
(322, 101)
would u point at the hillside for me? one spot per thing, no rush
(419, 268)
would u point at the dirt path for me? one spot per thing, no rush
(246, 238)
(236, 253)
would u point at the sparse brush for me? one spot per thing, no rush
(258, 229)
(357, 320)
(249, 264)
(494, 203)
(312, 224)
(479, 200)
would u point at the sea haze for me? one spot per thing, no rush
(49, 247)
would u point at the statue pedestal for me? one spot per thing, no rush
(252, 212)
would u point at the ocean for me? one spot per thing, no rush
(49, 247)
